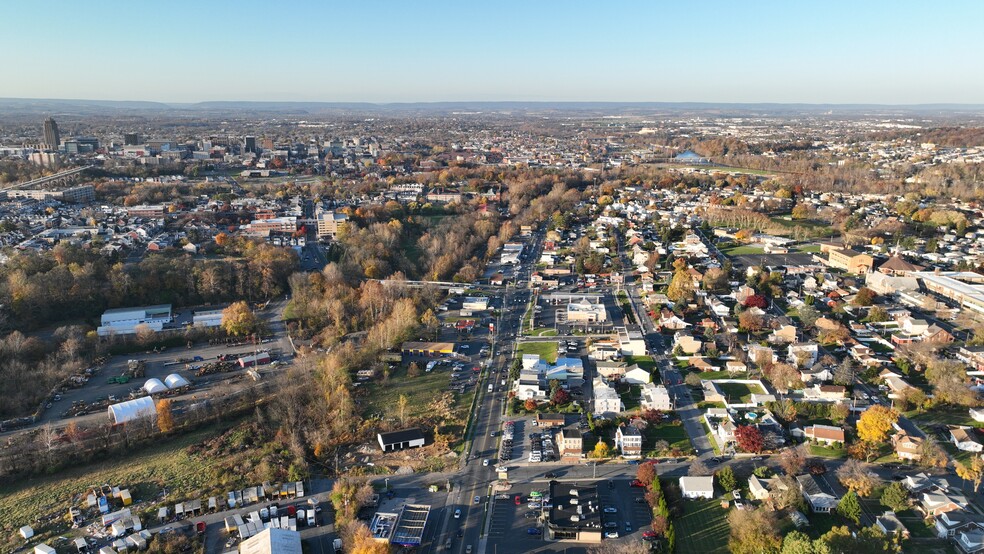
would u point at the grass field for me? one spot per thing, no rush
(546, 350)
(420, 392)
(809, 248)
(944, 415)
(144, 473)
(675, 435)
(739, 393)
(702, 528)
(548, 332)
(742, 250)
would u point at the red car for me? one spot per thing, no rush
(649, 535)
(637, 483)
(518, 499)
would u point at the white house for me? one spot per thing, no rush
(963, 440)
(606, 399)
(804, 354)
(628, 440)
(635, 375)
(817, 493)
(655, 397)
(697, 487)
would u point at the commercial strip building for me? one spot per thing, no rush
(575, 515)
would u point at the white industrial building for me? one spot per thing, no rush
(207, 318)
(132, 409)
(124, 321)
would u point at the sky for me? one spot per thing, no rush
(832, 51)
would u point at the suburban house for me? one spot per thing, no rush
(628, 440)
(761, 355)
(961, 438)
(759, 487)
(948, 524)
(824, 434)
(734, 366)
(687, 343)
(697, 487)
(398, 440)
(818, 494)
(907, 447)
(890, 524)
(655, 397)
(670, 321)
(934, 503)
(803, 354)
(784, 334)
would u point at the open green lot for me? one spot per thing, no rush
(675, 435)
(421, 391)
(702, 528)
(944, 415)
(546, 350)
(742, 250)
(738, 392)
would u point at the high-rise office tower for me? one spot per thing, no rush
(131, 139)
(250, 144)
(51, 137)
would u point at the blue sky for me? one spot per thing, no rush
(866, 51)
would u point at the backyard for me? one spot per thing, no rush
(703, 527)
(739, 393)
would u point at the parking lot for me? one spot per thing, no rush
(510, 523)
(631, 516)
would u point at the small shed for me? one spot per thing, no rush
(80, 544)
(44, 549)
(162, 514)
(27, 532)
(125, 497)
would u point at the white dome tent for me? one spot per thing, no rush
(132, 409)
(174, 381)
(154, 386)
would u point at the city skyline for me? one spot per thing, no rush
(381, 52)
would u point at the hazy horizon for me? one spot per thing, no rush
(878, 53)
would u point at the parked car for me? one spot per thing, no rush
(533, 531)
(457, 513)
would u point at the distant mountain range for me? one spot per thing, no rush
(27, 106)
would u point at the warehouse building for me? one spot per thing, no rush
(124, 321)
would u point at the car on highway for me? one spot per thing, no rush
(518, 500)
(478, 499)
(610, 510)
(485, 462)
(550, 475)
(457, 513)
